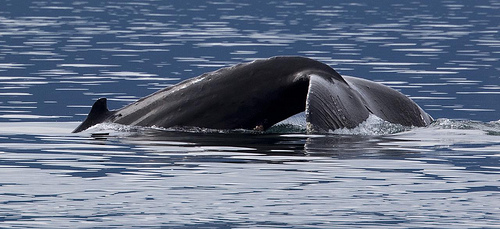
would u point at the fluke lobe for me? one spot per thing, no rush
(259, 94)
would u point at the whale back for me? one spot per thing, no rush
(261, 93)
(253, 95)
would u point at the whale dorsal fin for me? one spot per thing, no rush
(97, 114)
(332, 104)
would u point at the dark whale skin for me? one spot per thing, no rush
(259, 94)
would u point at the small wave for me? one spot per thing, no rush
(444, 123)
(373, 125)
(120, 129)
(114, 128)
(189, 129)
(491, 128)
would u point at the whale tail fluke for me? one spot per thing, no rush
(389, 104)
(97, 114)
(331, 104)
(335, 104)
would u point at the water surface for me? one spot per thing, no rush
(56, 58)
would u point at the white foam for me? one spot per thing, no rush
(373, 125)
(113, 128)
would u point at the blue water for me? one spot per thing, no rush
(56, 58)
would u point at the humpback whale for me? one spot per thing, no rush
(259, 94)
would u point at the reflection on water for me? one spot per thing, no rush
(447, 173)
(56, 57)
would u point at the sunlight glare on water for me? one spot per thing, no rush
(57, 57)
(157, 177)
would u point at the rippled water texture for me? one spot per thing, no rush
(57, 57)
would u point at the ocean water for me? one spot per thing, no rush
(57, 57)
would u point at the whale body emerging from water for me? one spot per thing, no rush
(259, 94)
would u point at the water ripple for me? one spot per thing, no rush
(56, 57)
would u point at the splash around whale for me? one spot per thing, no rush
(259, 94)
